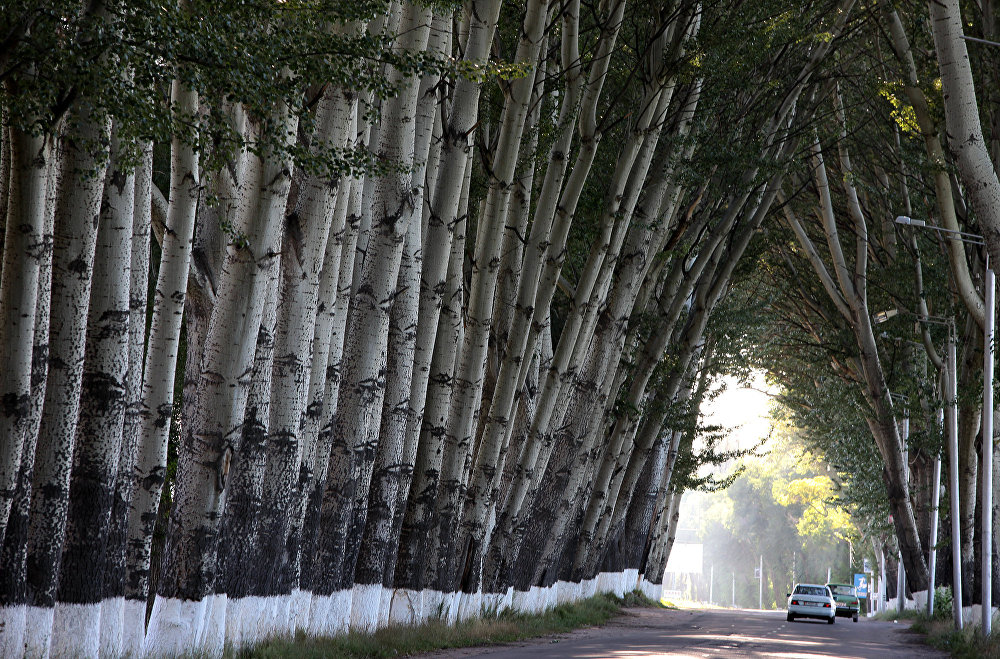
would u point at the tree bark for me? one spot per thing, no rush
(212, 434)
(156, 410)
(103, 400)
(113, 629)
(77, 210)
(29, 162)
(356, 424)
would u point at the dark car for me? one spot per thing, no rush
(847, 600)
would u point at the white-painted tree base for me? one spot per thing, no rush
(213, 633)
(298, 617)
(245, 620)
(470, 605)
(551, 597)
(508, 600)
(614, 583)
(454, 601)
(234, 622)
(174, 627)
(12, 630)
(112, 627)
(653, 591)
(434, 606)
(566, 592)
(383, 607)
(536, 599)
(405, 606)
(133, 627)
(631, 580)
(278, 622)
(492, 604)
(340, 611)
(604, 583)
(76, 630)
(366, 603)
(319, 610)
(37, 631)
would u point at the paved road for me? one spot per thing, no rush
(717, 633)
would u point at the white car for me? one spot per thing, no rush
(810, 600)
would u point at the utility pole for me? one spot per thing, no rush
(901, 571)
(936, 498)
(760, 585)
(986, 472)
(986, 495)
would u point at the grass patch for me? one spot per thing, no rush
(893, 614)
(637, 599)
(437, 635)
(965, 644)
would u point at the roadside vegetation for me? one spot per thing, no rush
(965, 644)
(403, 641)
(940, 631)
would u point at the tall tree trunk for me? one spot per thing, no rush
(14, 553)
(965, 131)
(77, 209)
(212, 435)
(312, 574)
(356, 425)
(103, 400)
(312, 457)
(467, 391)
(394, 462)
(307, 232)
(418, 520)
(430, 395)
(668, 512)
(241, 544)
(29, 163)
(113, 630)
(157, 404)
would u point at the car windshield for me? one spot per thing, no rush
(810, 590)
(842, 590)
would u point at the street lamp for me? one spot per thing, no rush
(986, 482)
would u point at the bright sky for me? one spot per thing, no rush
(743, 410)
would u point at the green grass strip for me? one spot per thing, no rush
(404, 641)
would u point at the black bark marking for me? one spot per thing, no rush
(16, 406)
(78, 266)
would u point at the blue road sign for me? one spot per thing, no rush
(861, 585)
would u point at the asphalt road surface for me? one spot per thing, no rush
(716, 633)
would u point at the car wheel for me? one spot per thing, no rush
(832, 620)
(855, 617)
(790, 618)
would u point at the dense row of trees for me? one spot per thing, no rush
(374, 311)
(906, 142)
